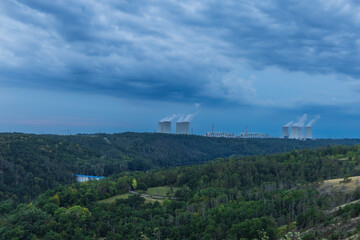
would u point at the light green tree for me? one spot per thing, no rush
(134, 184)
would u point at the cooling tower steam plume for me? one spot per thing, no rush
(169, 118)
(289, 124)
(187, 118)
(313, 121)
(181, 118)
(301, 121)
(190, 117)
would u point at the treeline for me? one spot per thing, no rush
(31, 164)
(234, 198)
(151, 150)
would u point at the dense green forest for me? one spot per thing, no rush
(31, 164)
(253, 197)
(151, 150)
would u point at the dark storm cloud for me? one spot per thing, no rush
(172, 50)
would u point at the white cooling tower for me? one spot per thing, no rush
(308, 132)
(183, 128)
(285, 132)
(300, 133)
(293, 132)
(296, 132)
(164, 127)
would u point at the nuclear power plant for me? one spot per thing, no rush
(183, 128)
(164, 127)
(308, 133)
(182, 124)
(296, 132)
(292, 130)
(285, 132)
(298, 128)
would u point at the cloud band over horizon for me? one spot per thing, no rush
(271, 56)
(176, 50)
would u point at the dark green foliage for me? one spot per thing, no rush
(350, 210)
(309, 236)
(250, 228)
(25, 222)
(149, 150)
(31, 164)
(6, 207)
(235, 198)
(358, 227)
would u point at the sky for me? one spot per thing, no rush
(91, 66)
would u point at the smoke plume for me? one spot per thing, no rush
(169, 118)
(190, 117)
(187, 118)
(301, 121)
(289, 124)
(313, 121)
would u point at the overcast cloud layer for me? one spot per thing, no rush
(275, 53)
(174, 50)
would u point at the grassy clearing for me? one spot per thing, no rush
(154, 191)
(336, 185)
(113, 199)
(126, 195)
(161, 191)
(153, 200)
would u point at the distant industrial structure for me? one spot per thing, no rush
(296, 132)
(183, 128)
(164, 127)
(85, 178)
(285, 132)
(292, 130)
(220, 134)
(308, 132)
(297, 129)
(245, 134)
(253, 135)
(182, 124)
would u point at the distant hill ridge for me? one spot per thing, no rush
(313, 194)
(172, 149)
(30, 163)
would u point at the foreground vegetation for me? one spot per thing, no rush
(233, 198)
(31, 164)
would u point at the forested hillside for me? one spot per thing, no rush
(31, 164)
(149, 150)
(251, 197)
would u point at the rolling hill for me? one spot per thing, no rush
(252, 197)
(31, 164)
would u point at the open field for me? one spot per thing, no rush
(126, 195)
(337, 185)
(113, 199)
(153, 200)
(160, 191)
